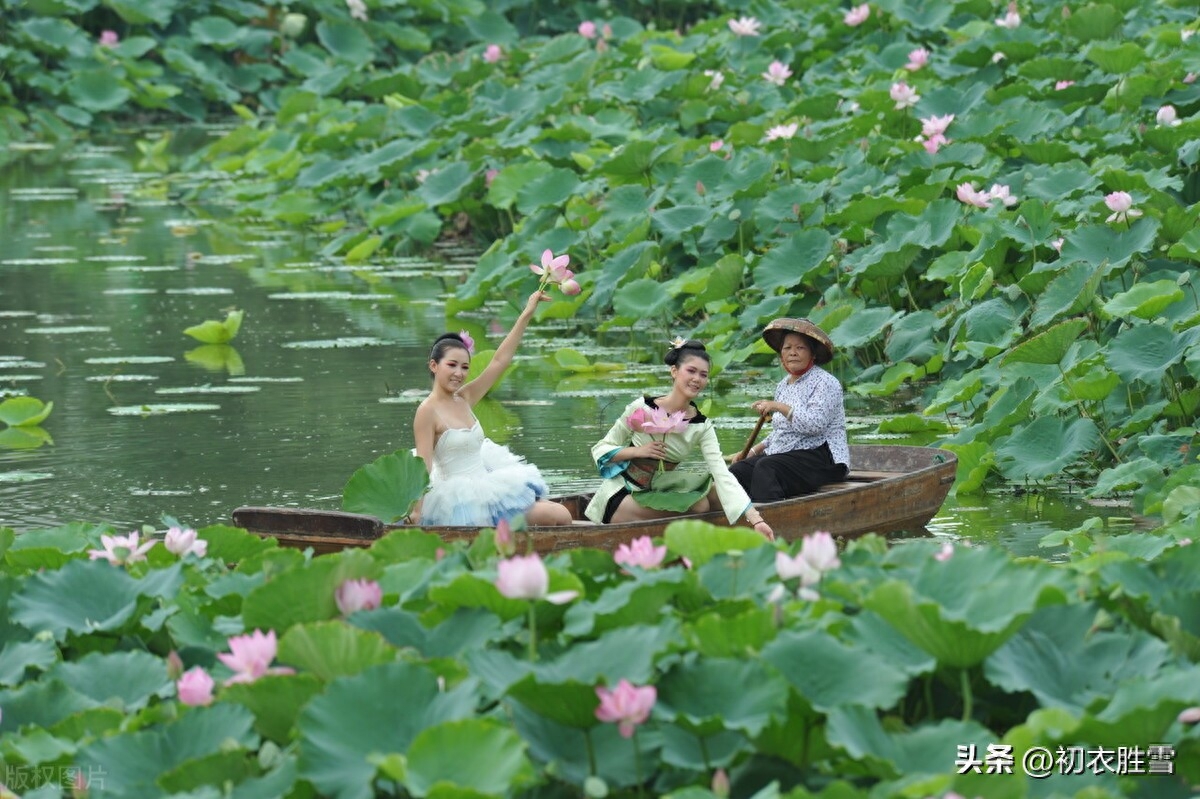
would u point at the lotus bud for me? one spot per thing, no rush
(720, 783)
(292, 25)
(174, 665)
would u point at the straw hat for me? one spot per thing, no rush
(774, 333)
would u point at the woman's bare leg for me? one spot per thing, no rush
(545, 513)
(630, 511)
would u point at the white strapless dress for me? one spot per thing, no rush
(475, 481)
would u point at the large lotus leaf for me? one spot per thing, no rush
(830, 673)
(699, 542)
(928, 749)
(213, 332)
(1108, 247)
(97, 90)
(1071, 292)
(217, 358)
(680, 219)
(465, 630)
(792, 261)
(738, 573)
(872, 633)
(445, 185)
(570, 702)
(346, 41)
(380, 711)
(18, 657)
(138, 13)
(126, 680)
(641, 299)
(863, 326)
(475, 591)
(218, 31)
(86, 596)
(963, 609)
(1049, 346)
(1060, 659)
(568, 748)
(1126, 476)
(276, 701)
(639, 601)
(731, 635)
(1143, 708)
(713, 694)
(24, 411)
(1045, 447)
(43, 703)
(506, 186)
(388, 487)
(26, 437)
(133, 762)
(987, 327)
(1144, 352)
(913, 337)
(1145, 300)
(548, 190)
(333, 649)
(479, 755)
(305, 594)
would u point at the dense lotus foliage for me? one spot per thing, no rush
(213, 663)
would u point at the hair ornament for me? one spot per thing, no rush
(467, 340)
(677, 342)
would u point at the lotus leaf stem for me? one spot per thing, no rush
(591, 752)
(637, 763)
(968, 701)
(1083, 411)
(532, 633)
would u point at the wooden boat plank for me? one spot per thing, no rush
(893, 488)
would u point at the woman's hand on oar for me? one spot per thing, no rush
(739, 456)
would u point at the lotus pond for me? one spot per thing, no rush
(103, 268)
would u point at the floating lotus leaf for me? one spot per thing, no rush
(963, 609)
(217, 358)
(214, 332)
(388, 487)
(1045, 447)
(379, 711)
(1049, 346)
(25, 437)
(1144, 352)
(1145, 300)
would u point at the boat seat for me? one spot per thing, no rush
(584, 522)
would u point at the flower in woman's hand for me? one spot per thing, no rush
(627, 705)
(570, 287)
(525, 577)
(468, 341)
(636, 420)
(661, 421)
(640, 552)
(195, 687)
(553, 269)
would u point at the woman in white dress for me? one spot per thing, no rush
(472, 480)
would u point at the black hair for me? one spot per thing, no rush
(444, 343)
(690, 347)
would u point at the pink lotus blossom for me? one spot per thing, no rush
(627, 705)
(1063, 84)
(917, 59)
(1166, 117)
(606, 31)
(1057, 244)
(587, 29)
(745, 26)
(1190, 716)
(933, 143)
(489, 176)
(1121, 205)
(1190, 77)
(1001, 193)
(468, 342)
(422, 175)
(195, 687)
(857, 15)
(933, 130)
(904, 95)
(525, 577)
(355, 595)
(966, 193)
(777, 73)
(492, 53)
(661, 421)
(121, 549)
(998, 56)
(788, 566)
(250, 657)
(506, 545)
(181, 541)
(781, 131)
(636, 420)
(553, 269)
(715, 145)
(1184, 542)
(174, 665)
(716, 78)
(570, 287)
(640, 552)
(820, 550)
(358, 9)
(945, 553)
(109, 39)
(1011, 18)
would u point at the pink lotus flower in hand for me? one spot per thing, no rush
(777, 73)
(181, 541)
(109, 39)
(250, 657)
(195, 687)
(570, 287)
(745, 26)
(661, 421)
(904, 95)
(1121, 205)
(980, 199)
(492, 53)
(467, 341)
(636, 420)
(627, 705)
(525, 577)
(356, 595)
(121, 549)
(640, 552)
(857, 15)
(917, 59)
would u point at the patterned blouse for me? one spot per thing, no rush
(818, 416)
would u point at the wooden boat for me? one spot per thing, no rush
(892, 489)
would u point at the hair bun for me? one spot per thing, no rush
(680, 346)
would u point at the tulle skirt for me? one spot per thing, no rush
(503, 485)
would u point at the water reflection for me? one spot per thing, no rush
(101, 270)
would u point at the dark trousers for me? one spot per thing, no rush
(768, 478)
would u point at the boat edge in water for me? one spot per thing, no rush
(892, 488)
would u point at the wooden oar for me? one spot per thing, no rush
(753, 436)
